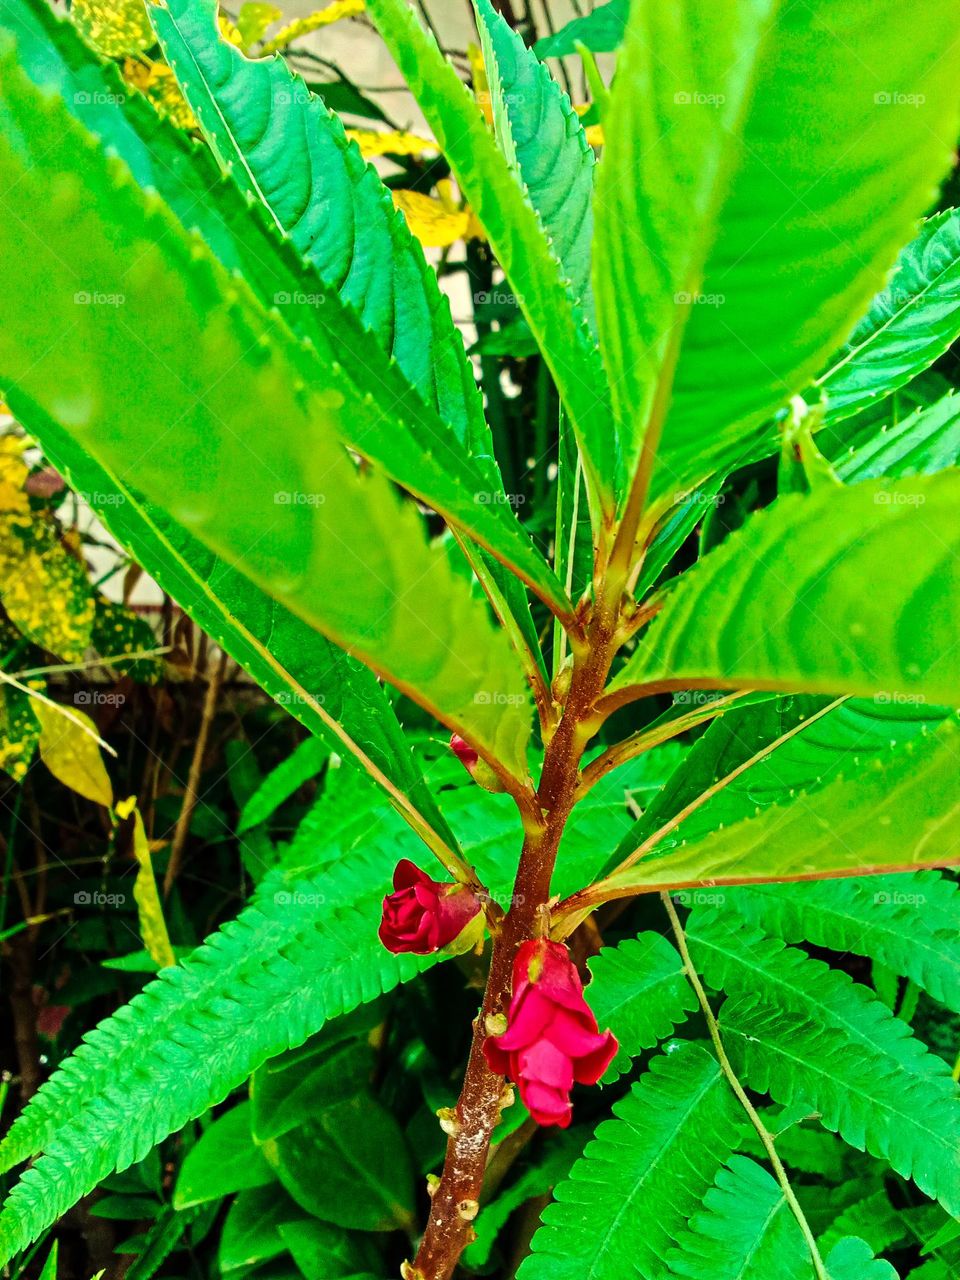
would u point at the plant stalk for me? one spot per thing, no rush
(456, 1196)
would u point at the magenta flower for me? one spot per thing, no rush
(423, 915)
(552, 1038)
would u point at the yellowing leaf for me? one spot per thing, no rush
(430, 221)
(19, 733)
(253, 20)
(157, 82)
(229, 30)
(322, 18)
(153, 927)
(43, 588)
(116, 28)
(395, 142)
(13, 475)
(68, 747)
(481, 85)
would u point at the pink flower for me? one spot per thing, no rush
(552, 1038)
(423, 915)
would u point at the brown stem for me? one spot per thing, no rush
(192, 793)
(457, 1194)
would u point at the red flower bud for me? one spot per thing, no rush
(478, 769)
(552, 1038)
(464, 752)
(423, 915)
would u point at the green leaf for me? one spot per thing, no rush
(638, 1181)
(251, 1230)
(737, 239)
(322, 687)
(321, 1250)
(746, 1231)
(340, 217)
(815, 745)
(119, 631)
(910, 923)
(287, 1091)
(349, 1164)
(304, 952)
(340, 540)
(808, 1035)
(516, 235)
(910, 323)
(601, 31)
(49, 1271)
(279, 785)
(788, 606)
(224, 1160)
(852, 1259)
(922, 443)
(542, 139)
(848, 826)
(872, 1219)
(640, 992)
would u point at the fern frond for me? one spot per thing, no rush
(852, 1259)
(809, 1035)
(908, 922)
(304, 952)
(746, 1231)
(640, 991)
(630, 1194)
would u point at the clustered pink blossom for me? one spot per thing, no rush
(552, 1039)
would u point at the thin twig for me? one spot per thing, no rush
(192, 793)
(118, 658)
(766, 1138)
(58, 707)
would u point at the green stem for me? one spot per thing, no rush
(766, 1138)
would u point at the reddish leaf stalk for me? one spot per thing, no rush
(456, 1196)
